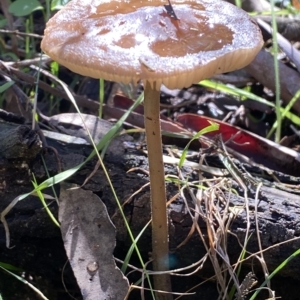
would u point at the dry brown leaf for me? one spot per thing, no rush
(89, 238)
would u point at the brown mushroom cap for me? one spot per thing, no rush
(129, 40)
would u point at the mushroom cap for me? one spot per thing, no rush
(131, 40)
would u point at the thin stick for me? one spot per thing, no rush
(171, 11)
(160, 245)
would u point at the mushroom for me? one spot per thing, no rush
(131, 40)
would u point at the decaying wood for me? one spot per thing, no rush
(288, 27)
(291, 52)
(278, 211)
(262, 69)
(19, 142)
(254, 5)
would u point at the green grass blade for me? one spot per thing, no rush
(130, 251)
(129, 254)
(243, 94)
(280, 267)
(286, 113)
(210, 128)
(10, 267)
(41, 196)
(101, 97)
(233, 91)
(68, 173)
(6, 86)
(277, 79)
(26, 282)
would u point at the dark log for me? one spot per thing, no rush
(37, 244)
(254, 5)
(262, 69)
(19, 142)
(289, 28)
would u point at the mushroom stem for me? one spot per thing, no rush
(160, 245)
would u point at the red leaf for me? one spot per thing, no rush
(258, 149)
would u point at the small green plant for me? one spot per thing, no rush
(21, 8)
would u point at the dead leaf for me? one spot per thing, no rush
(90, 238)
(254, 147)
